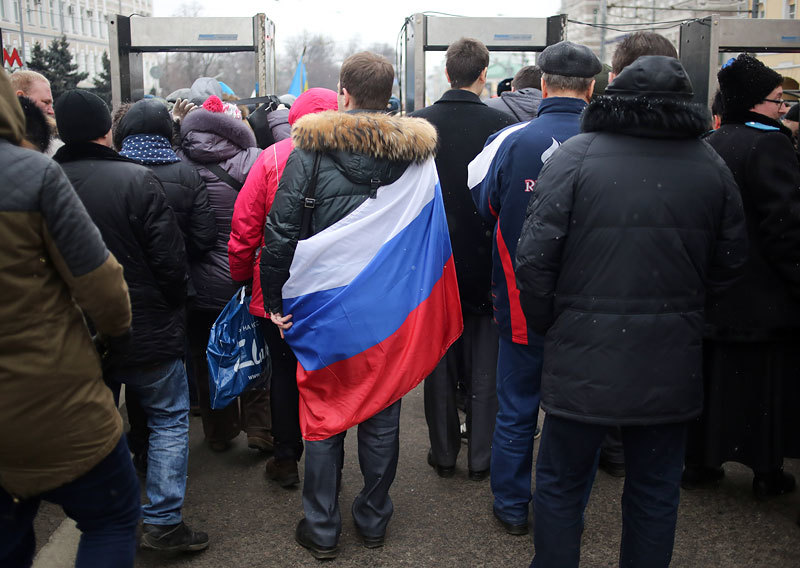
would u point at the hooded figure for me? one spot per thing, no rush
(629, 225)
(246, 239)
(223, 149)
(146, 132)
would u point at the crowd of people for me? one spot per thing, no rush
(592, 242)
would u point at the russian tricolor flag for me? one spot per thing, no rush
(375, 304)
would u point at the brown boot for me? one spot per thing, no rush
(261, 442)
(283, 471)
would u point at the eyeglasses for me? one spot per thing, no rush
(779, 102)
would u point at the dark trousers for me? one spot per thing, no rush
(519, 379)
(473, 360)
(105, 504)
(378, 449)
(566, 464)
(251, 414)
(284, 396)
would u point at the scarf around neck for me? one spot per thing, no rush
(149, 149)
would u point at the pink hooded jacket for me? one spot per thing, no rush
(255, 199)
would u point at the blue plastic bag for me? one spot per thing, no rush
(238, 358)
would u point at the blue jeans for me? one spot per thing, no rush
(164, 396)
(105, 504)
(565, 465)
(378, 449)
(519, 379)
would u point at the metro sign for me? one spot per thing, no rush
(11, 59)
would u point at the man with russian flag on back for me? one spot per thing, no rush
(357, 255)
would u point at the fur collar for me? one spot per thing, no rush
(235, 131)
(393, 138)
(646, 117)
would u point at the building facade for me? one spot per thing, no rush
(603, 23)
(84, 22)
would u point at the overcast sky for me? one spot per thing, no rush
(370, 20)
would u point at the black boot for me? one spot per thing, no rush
(773, 484)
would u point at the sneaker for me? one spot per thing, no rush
(263, 443)
(284, 471)
(317, 551)
(173, 538)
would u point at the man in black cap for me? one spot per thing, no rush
(127, 203)
(629, 225)
(503, 178)
(464, 123)
(752, 349)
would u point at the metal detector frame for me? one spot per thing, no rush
(131, 36)
(702, 40)
(435, 33)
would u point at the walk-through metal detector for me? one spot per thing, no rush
(702, 40)
(435, 33)
(131, 36)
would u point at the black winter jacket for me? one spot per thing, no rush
(185, 189)
(359, 151)
(629, 224)
(765, 303)
(127, 203)
(463, 123)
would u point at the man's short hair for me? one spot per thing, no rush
(633, 46)
(24, 79)
(465, 60)
(576, 85)
(368, 78)
(528, 76)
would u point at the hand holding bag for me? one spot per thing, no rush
(238, 358)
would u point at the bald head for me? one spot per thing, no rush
(36, 87)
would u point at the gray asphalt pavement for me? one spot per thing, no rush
(439, 522)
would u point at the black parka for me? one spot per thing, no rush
(359, 151)
(463, 123)
(185, 189)
(765, 303)
(127, 203)
(630, 224)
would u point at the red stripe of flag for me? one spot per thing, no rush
(348, 392)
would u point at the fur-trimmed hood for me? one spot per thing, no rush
(212, 137)
(381, 136)
(647, 117)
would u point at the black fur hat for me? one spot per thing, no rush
(744, 83)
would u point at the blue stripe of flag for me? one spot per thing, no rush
(333, 325)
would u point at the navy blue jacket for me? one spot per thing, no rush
(514, 157)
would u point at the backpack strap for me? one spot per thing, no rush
(309, 201)
(224, 176)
